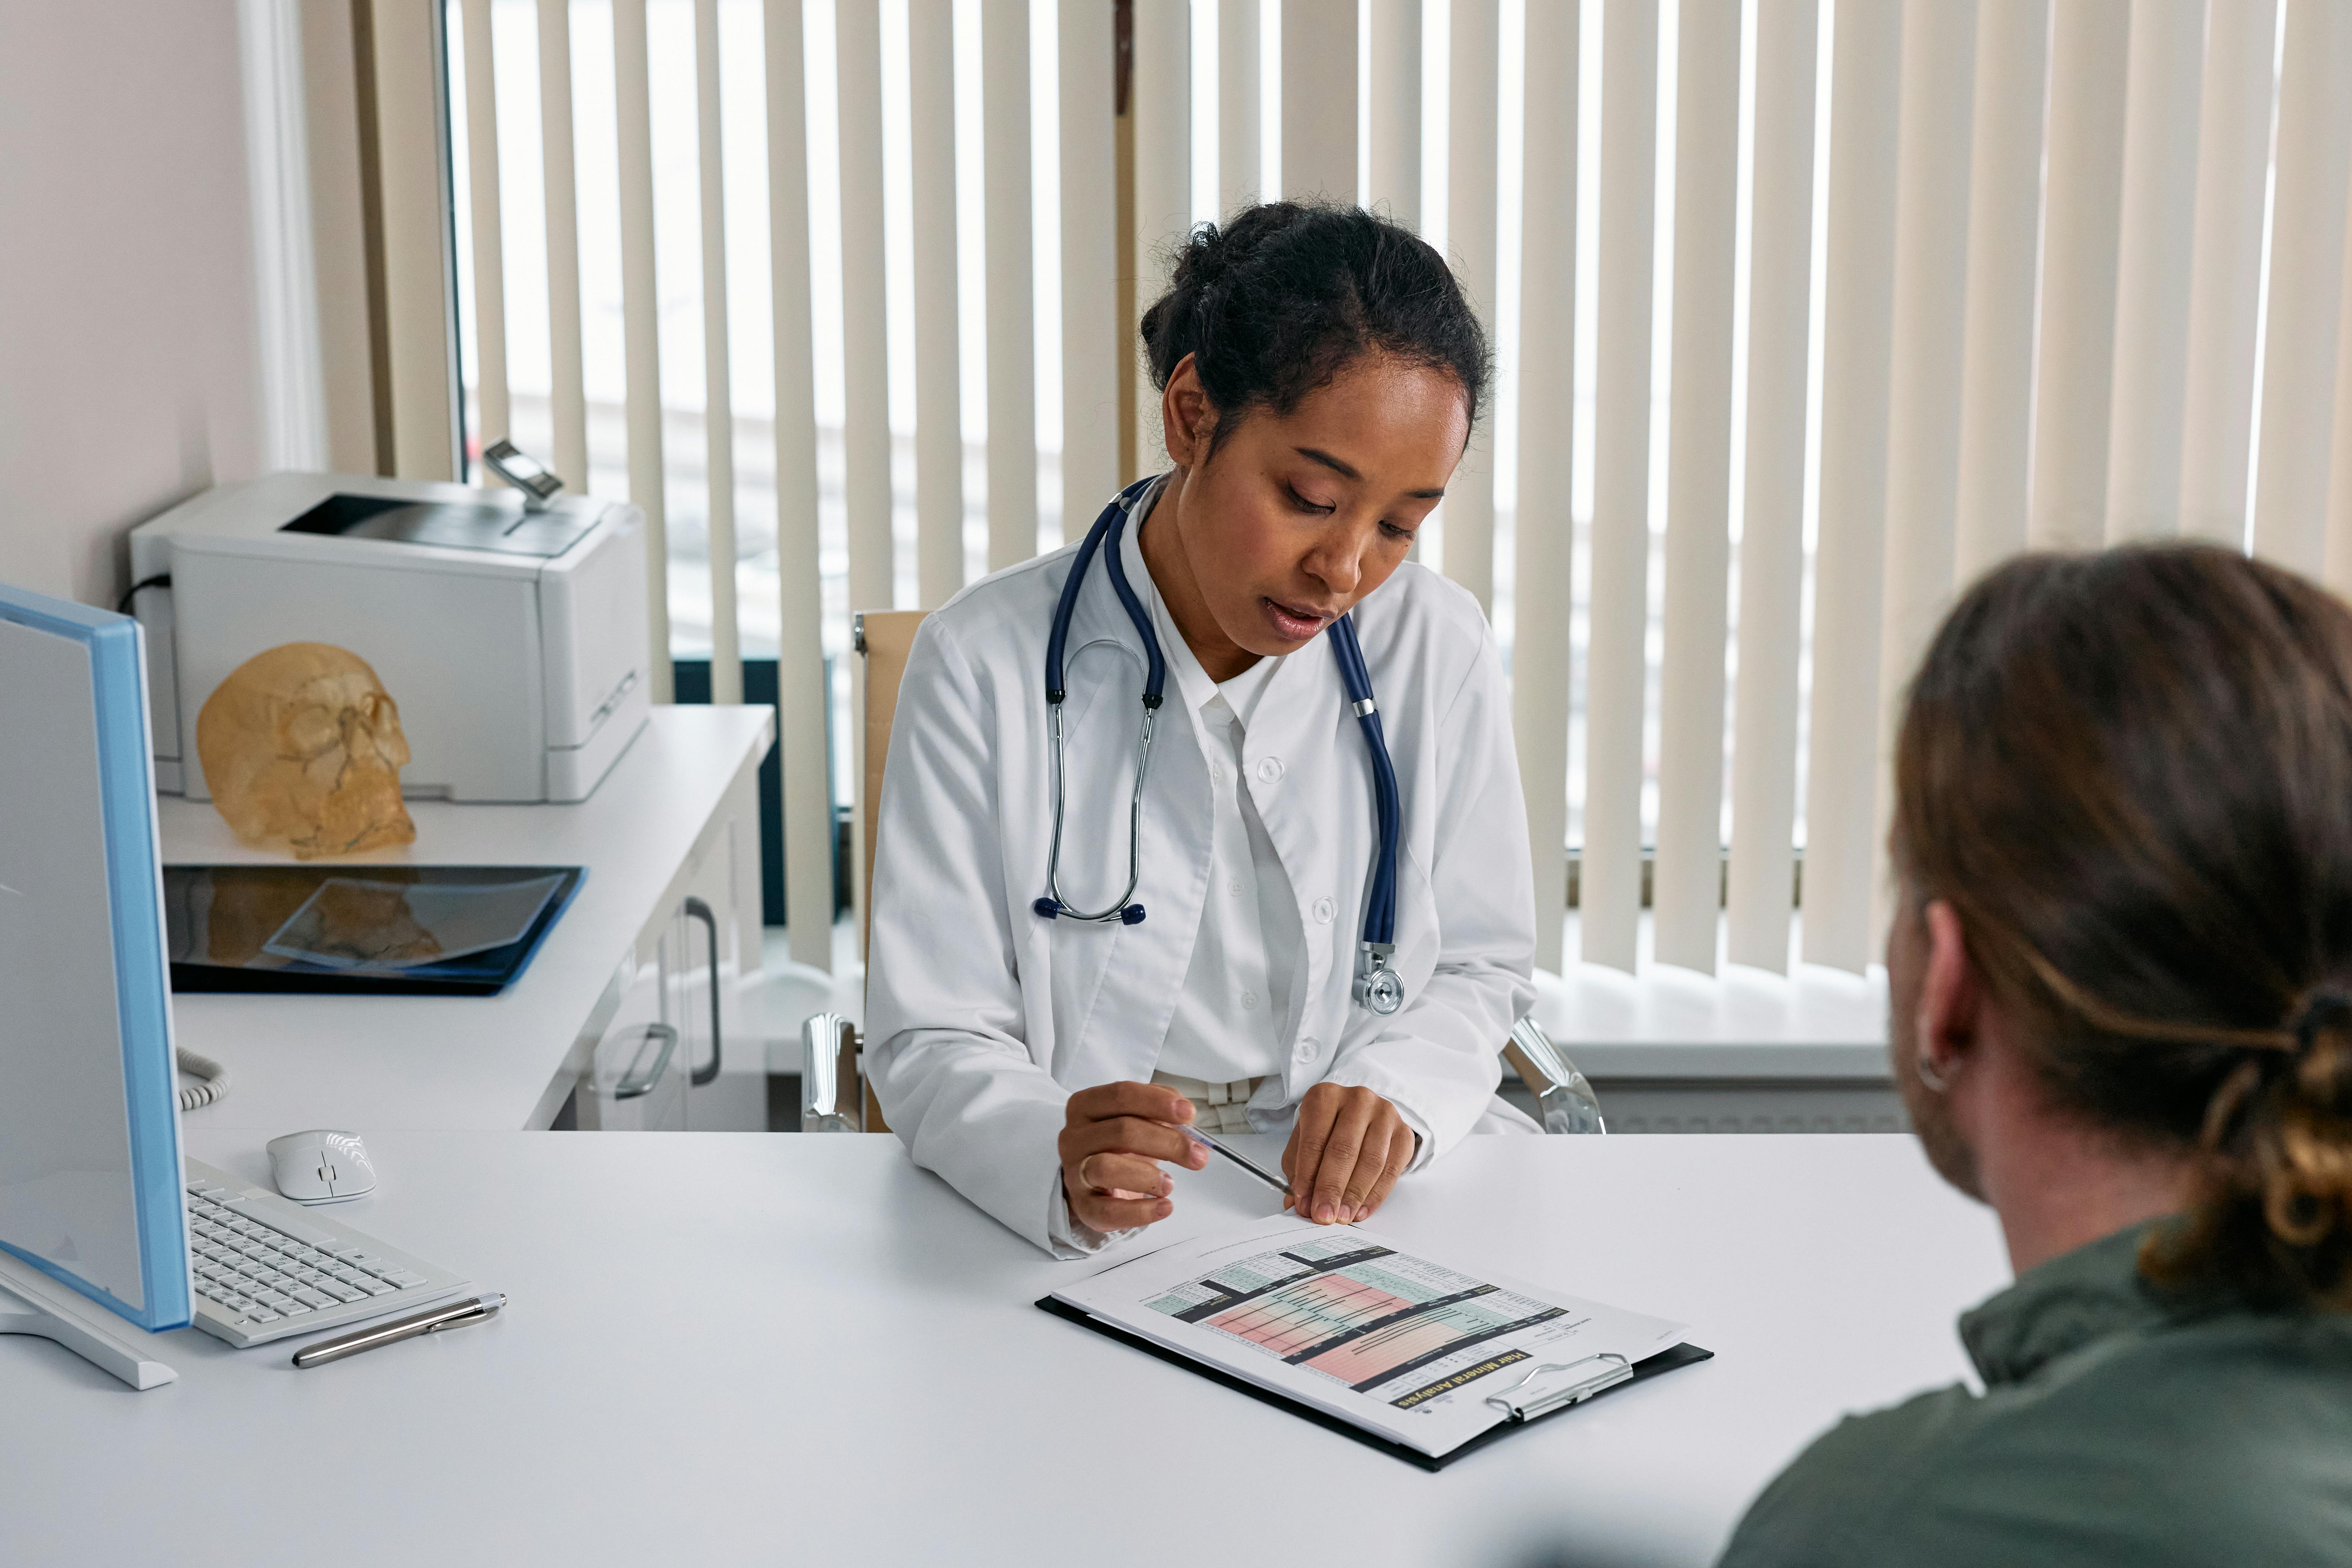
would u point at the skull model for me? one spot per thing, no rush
(302, 750)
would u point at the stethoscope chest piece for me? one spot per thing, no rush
(1377, 988)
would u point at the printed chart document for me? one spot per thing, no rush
(1351, 1323)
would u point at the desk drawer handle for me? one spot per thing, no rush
(696, 910)
(635, 1084)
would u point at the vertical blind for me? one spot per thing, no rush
(1807, 310)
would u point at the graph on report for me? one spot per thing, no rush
(1361, 1316)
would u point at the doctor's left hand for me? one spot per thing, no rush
(1346, 1148)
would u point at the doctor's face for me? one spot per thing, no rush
(1296, 517)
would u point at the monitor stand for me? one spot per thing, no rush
(33, 1303)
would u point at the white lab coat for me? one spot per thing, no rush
(982, 1017)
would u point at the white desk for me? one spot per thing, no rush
(507, 1061)
(741, 1348)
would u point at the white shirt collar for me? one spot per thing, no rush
(1242, 692)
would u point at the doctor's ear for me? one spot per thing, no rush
(1186, 416)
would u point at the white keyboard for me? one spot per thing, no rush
(265, 1267)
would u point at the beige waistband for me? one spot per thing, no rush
(1219, 1108)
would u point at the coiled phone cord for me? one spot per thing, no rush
(214, 1086)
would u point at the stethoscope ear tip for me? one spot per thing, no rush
(1131, 915)
(1047, 908)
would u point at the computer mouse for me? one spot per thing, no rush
(322, 1167)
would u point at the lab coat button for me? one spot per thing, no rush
(1325, 910)
(1269, 769)
(1249, 998)
(1306, 1049)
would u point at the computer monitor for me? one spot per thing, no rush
(90, 1179)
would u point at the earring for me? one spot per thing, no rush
(1930, 1075)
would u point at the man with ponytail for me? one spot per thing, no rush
(2120, 971)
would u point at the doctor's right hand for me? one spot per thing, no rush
(1111, 1147)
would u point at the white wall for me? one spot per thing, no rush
(127, 367)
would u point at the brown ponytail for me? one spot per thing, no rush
(2130, 774)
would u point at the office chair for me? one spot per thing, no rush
(835, 1097)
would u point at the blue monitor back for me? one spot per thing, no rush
(90, 1127)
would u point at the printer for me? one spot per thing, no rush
(510, 628)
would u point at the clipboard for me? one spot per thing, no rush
(1530, 1405)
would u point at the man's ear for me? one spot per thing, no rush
(1185, 415)
(1951, 993)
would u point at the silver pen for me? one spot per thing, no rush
(1252, 1166)
(431, 1321)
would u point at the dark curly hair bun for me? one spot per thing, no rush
(1286, 294)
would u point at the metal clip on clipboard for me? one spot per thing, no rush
(1527, 1407)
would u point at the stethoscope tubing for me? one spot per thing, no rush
(1380, 913)
(1377, 987)
(1102, 538)
(1119, 909)
(1107, 527)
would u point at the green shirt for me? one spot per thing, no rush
(2119, 1425)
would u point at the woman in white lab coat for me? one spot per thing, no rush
(1320, 376)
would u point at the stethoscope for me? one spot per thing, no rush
(1377, 986)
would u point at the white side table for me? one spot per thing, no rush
(676, 818)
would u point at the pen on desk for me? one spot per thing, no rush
(431, 1321)
(1255, 1169)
